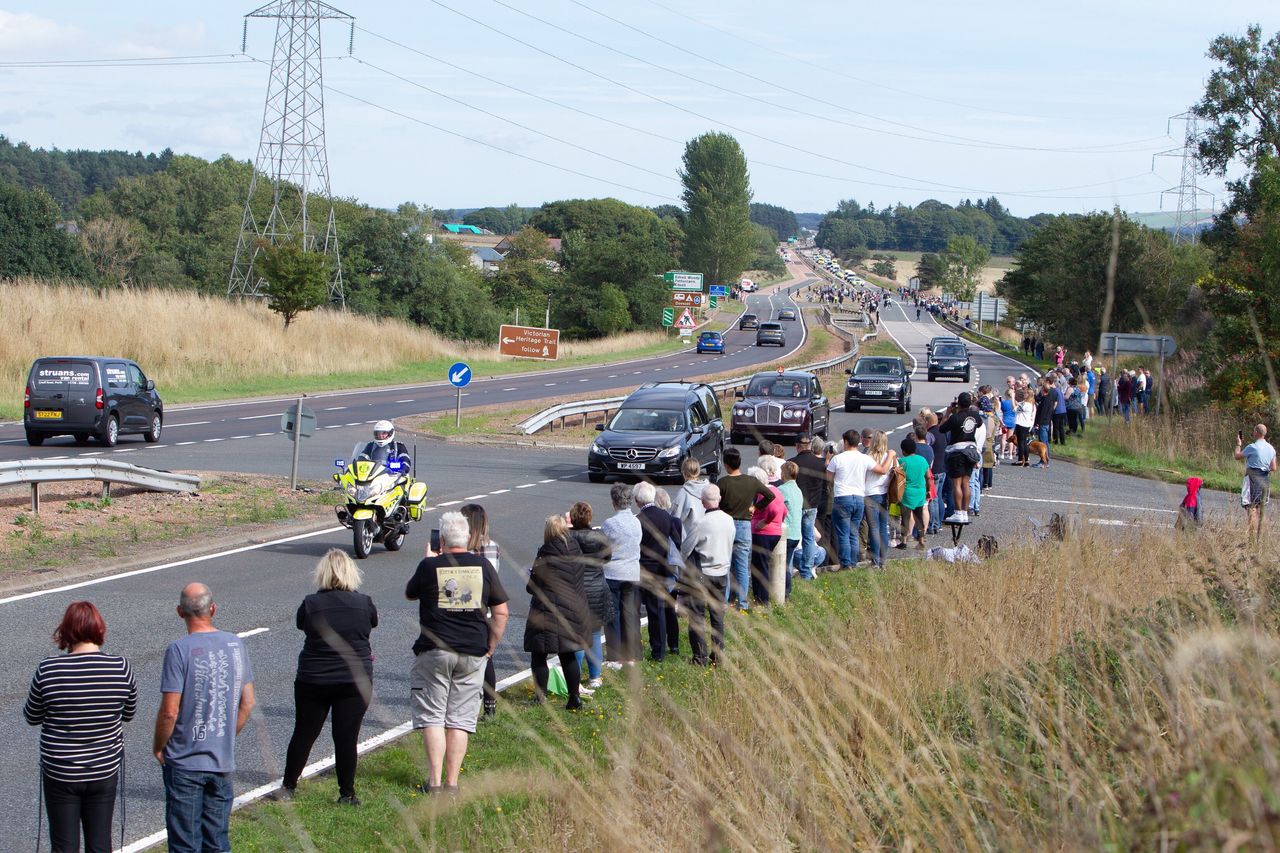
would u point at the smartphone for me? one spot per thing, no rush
(435, 539)
(1240, 435)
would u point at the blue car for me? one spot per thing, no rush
(711, 342)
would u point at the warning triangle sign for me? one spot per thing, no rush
(686, 320)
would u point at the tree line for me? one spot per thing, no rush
(176, 223)
(852, 231)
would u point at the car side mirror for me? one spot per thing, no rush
(151, 385)
(599, 427)
(848, 371)
(740, 395)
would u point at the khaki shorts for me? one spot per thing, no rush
(445, 688)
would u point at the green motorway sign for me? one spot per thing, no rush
(668, 316)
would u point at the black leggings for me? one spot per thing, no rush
(572, 675)
(311, 706)
(1023, 437)
(1060, 429)
(72, 806)
(490, 680)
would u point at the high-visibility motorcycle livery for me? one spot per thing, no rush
(382, 501)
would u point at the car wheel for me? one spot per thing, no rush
(736, 438)
(902, 407)
(966, 376)
(157, 423)
(853, 407)
(34, 439)
(81, 438)
(110, 432)
(595, 477)
(931, 377)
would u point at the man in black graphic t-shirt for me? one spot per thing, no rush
(961, 430)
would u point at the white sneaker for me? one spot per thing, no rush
(614, 665)
(585, 691)
(956, 517)
(595, 683)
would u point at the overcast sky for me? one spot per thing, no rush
(1051, 107)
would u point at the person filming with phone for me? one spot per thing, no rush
(1259, 461)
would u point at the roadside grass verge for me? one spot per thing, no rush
(1169, 448)
(498, 422)
(77, 526)
(200, 348)
(885, 346)
(1093, 693)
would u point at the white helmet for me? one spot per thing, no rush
(384, 432)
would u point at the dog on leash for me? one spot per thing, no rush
(1041, 450)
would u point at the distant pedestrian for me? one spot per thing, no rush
(206, 683)
(81, 701)
(335, 671)
(1259, 461)
(479, 542)
(596, 551)
(656, 544)
(811, 478)
(1124, 393)
(849, 472)
(739, 494)
(794, 501)
(446, 682)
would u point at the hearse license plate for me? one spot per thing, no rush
(630, 466)
(48, 414)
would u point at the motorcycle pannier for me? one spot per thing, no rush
(414, 500)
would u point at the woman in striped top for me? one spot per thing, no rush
(81, 701)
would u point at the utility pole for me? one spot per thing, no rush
(1188, 215)
(291, 150)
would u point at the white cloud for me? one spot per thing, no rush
(24, 34)
(176, 40)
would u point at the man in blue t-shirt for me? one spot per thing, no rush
(206, 696)
(1259, 461)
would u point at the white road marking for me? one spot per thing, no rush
(401, 401)
(552, 480)
(499, 491)
(584, 380)
(99, 452)
(179, 444)
(194, 423)
(510, 389)
(353, 423)
(234, 437)
(527, 486)
(611, 376)
(155, 446)
(256, 417)
(450, 503)
(210, 440)
(334, 408)
(262, 434)
(474, 497)
(1080, 503)
(253, 632)
(131, 449)
(551, 384)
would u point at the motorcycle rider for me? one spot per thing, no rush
(384, 448)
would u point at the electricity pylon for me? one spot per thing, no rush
(291, 151)
(1184, 222)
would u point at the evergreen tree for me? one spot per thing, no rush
(717, 196)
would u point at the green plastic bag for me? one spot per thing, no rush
(556, 685)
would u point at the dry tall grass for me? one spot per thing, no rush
(184, 339)
(1089, 695)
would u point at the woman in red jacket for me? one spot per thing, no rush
(766, 530)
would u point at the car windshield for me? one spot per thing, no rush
(948, 351)
(778, 386)
(648, 420)
(877, 367)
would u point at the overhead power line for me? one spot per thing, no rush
(943, 139)
(1031, 193)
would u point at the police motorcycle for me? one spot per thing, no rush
(382, 497)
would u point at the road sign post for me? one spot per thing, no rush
(297, 423)
(529, 342)
(459, 377)
(1161, 346)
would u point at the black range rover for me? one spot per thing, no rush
(782, 403)
(656, 429)
(878, 381)
(948, 359)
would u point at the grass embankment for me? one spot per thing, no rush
(77, 526)
(1164, 447)
(200, 348)
(498, 422)
(1089, 694)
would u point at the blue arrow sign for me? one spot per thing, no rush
(460, 375)
(719, 290)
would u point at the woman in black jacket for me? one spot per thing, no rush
(335, 671)
(559, 620)
(596, 551)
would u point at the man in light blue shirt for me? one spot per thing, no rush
(1259, 461)
(622, 576)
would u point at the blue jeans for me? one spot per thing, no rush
(975, 490)
(808, 544)
(938, 506)
(877, 507)
(197, 809)
(846, 518)
(1124, 410)
(740, 566)
(1042, 433)
(597, 655)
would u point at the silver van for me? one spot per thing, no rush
(90, 396)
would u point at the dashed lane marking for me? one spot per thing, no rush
(404, 401)
(256, 417)
(252, 633)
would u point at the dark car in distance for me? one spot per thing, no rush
(771, 333)
(90, 396)
(878, 381)
(748, 321)
(949, 359)
(659, 426)
(779, 404)
(711, 342)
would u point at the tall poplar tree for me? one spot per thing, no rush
(717, 196)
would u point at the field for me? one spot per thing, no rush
(200, 348)
(1091, 693)
(991, 273)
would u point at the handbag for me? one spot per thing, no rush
(897, 485)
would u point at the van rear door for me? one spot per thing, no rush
(63, 394)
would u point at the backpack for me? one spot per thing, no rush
(897, 485)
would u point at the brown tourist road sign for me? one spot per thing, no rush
(687, 299)
(529, 342)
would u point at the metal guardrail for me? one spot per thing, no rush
(549, 416)
(998, 342)
(37, 471)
